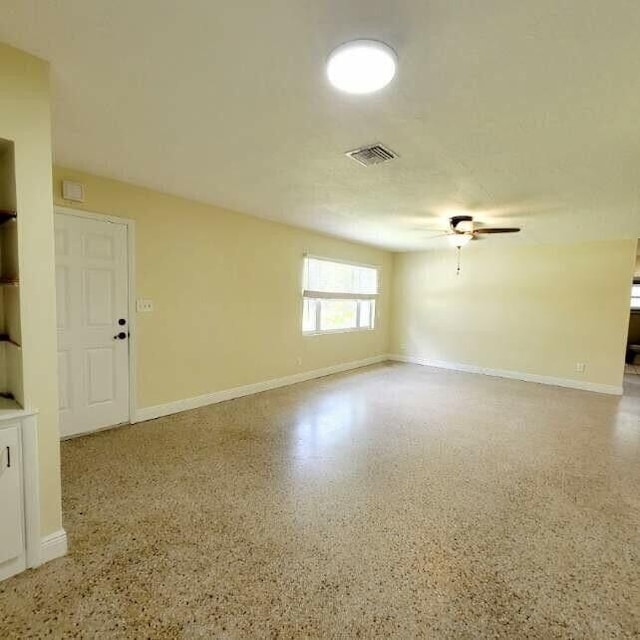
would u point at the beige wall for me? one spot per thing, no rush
(226, 293)
(25, 119)
(531, 309)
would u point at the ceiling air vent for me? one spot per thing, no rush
(372, 154)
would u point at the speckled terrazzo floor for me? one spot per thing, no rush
(395, 501)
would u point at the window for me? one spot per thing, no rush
(635, 296)
(338, 296)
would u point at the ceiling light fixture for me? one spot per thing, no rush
(361, 66)
(460, 239)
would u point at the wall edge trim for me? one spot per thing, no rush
(568, 383)
(177, 406)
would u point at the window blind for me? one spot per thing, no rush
(338, 280)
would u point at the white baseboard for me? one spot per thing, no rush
(149, 413)
(53, 546)
(514, 375)
(12, 567)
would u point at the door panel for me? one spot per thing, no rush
(92, 294)
(96, 246)
(62, 296)
(98, 296)
(64, 380)
(100, 375)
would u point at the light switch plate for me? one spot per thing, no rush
(144, 305)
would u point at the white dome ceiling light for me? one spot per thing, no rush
(460, 239)
(361, 66)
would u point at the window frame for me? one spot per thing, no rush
(636, 283)
(357, 297)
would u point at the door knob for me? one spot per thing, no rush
(121, 336)
(122, 322)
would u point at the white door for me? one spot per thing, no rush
(93, 323)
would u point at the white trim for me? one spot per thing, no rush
(514, 375)
(132, 317)
(53, 546)
(327, 295)
(131, 273)
(12, 567)
(328, 332)
(314, 256)
(31, 489)
(149, 413)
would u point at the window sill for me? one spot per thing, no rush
(335, 331)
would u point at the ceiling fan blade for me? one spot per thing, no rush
(496, 230)
(439, 235)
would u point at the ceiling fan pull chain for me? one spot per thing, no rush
(458, 269)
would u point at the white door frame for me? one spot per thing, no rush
(131, 273)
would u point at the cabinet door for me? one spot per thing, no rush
(11, 529)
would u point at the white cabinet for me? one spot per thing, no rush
(19, 508)
(11, 518)
(19, 513)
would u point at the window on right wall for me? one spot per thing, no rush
(338, 296)
(635, 295)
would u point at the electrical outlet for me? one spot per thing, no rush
(581, 367)
(144, 305)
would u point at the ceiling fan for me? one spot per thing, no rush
(462, 230)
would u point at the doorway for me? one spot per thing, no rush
(632, 356)
(94, 312)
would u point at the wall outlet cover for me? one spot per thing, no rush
(144, 305)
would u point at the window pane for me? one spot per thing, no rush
(309, 315)
(367, 311)
(338, 314)
(635, 303)
(337, 277)
(635, 291)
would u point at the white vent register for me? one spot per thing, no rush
(73, 191)
(372, 154)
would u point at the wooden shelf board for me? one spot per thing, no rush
(8, 404)
(5, 338)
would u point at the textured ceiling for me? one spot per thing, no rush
(520, 112)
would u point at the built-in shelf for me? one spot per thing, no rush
(11, 374)
(5, 338)
(8, 404)
(6, 215)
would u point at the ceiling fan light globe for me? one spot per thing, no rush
(460, 239)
